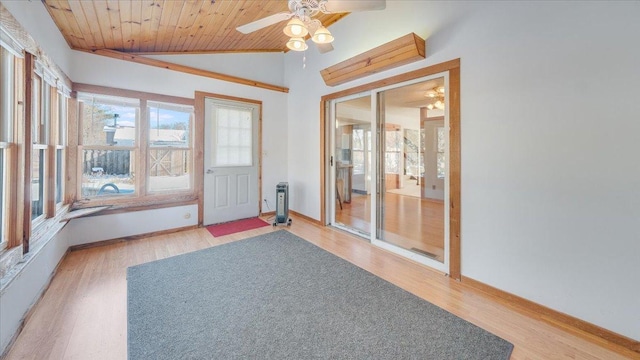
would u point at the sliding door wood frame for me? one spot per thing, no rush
(453, 68)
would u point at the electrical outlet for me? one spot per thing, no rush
(433, 187)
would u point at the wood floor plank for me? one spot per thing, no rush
(83, 314)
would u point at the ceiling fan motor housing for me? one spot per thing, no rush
(307, 8)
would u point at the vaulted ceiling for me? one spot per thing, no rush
(171, 26)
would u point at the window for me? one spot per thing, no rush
(28, 168)
(40, 129)
(6, 135)
(393, 147)
(61, 143)
(135, 146)
(169, 146)
(233, 145)
(412, 153)
(109, 139)
(440, 152)
(358, 151)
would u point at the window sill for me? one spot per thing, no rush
(128, 205)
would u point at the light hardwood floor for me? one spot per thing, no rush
(410, 222)
(83, 314)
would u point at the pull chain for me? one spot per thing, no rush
(304, 59)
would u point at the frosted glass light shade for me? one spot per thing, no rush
(295, 28)
(322, 36)
(297, 44)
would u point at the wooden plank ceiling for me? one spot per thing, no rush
(171, 26)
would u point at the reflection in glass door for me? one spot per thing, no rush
(352, 170)
(411, 189)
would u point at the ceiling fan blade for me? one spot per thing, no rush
(264, 22)
(338, 6)
(324, 48)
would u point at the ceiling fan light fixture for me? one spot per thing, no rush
(297, 44)
(431, 93)
(295, 28)
(322, 36)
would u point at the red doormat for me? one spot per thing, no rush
(236, 226)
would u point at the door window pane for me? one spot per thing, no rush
(232, 145)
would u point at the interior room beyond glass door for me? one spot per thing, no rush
(411, 190)
(352, 165)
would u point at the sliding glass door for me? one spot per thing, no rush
(351, 156)
(390, 175)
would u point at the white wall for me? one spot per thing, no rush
(27, 286)
(550, 200)
(105, 227)
(265, 67)
(34, 18)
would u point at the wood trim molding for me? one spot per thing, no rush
(453, 67)
(184, 69)
(71, 168)
(554, 317)
(202, 52)
(401, 51)
(323, 163)
(28, 118)
(198, 153)
(305, 217)
(454, 174)
(426, 71)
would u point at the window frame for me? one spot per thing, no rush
(142, 197)
(60, 144)
(12, 124)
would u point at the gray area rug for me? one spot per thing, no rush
(277, 296)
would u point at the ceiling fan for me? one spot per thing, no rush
(301, 23)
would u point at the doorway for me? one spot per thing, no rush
(404, 164)
(231, 160)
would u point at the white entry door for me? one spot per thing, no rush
(231, 161)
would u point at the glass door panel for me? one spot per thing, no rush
(352, 155)
(411, 169)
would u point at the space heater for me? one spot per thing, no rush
(282, 205)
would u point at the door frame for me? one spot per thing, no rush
(452, 67)
(198, 173)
